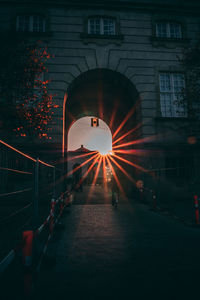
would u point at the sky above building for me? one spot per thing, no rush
(93, 138)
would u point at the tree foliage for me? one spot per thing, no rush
(191, 65)
(26, 104)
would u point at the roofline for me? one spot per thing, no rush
(189, 7)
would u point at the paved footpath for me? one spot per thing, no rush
(125, 253)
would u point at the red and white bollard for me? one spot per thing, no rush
(71, 198)
(27, 260)
(196, 204)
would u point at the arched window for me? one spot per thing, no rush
(31, 23)
(101, 26)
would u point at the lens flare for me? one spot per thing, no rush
(140, 141)
(115, 176)
(114, 113)
(131, 163)
(95, 178)
(112, 157)
(131, 112)
(104, 173)
(126, 134)
(89, 170)
(123, 170)
(81, 155)
(81, 165)
(105, 152)
(100, 101)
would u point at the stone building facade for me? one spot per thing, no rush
(113, 59)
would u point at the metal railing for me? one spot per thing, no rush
(31, 203)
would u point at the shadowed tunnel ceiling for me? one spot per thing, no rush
(103, 93)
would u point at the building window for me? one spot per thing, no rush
(33, 23)
(168, 30)
(101, 26)
(196, 109)
(171, 95)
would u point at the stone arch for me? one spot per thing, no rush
(110, 96)
(104, 93)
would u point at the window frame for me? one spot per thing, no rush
(168, 24)
(102, 30)
(31, 23)
(183, 113)
(169, 41)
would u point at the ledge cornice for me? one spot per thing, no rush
(186, 7)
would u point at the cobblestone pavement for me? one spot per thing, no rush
(125, 253)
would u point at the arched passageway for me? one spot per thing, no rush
(111, 97)
(87, 137)
(103, 93)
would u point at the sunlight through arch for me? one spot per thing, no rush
(94, 138)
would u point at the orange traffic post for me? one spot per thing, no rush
(196, 204)
(27, 260)
(27, 248)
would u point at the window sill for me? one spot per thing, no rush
(168, 42)
(101, 39)
(28, 34)
(173, 119)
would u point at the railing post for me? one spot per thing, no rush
(36, 195)
(196, 204)
(141, 194)
(54, 183)
(51, 223)
(154, 200)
